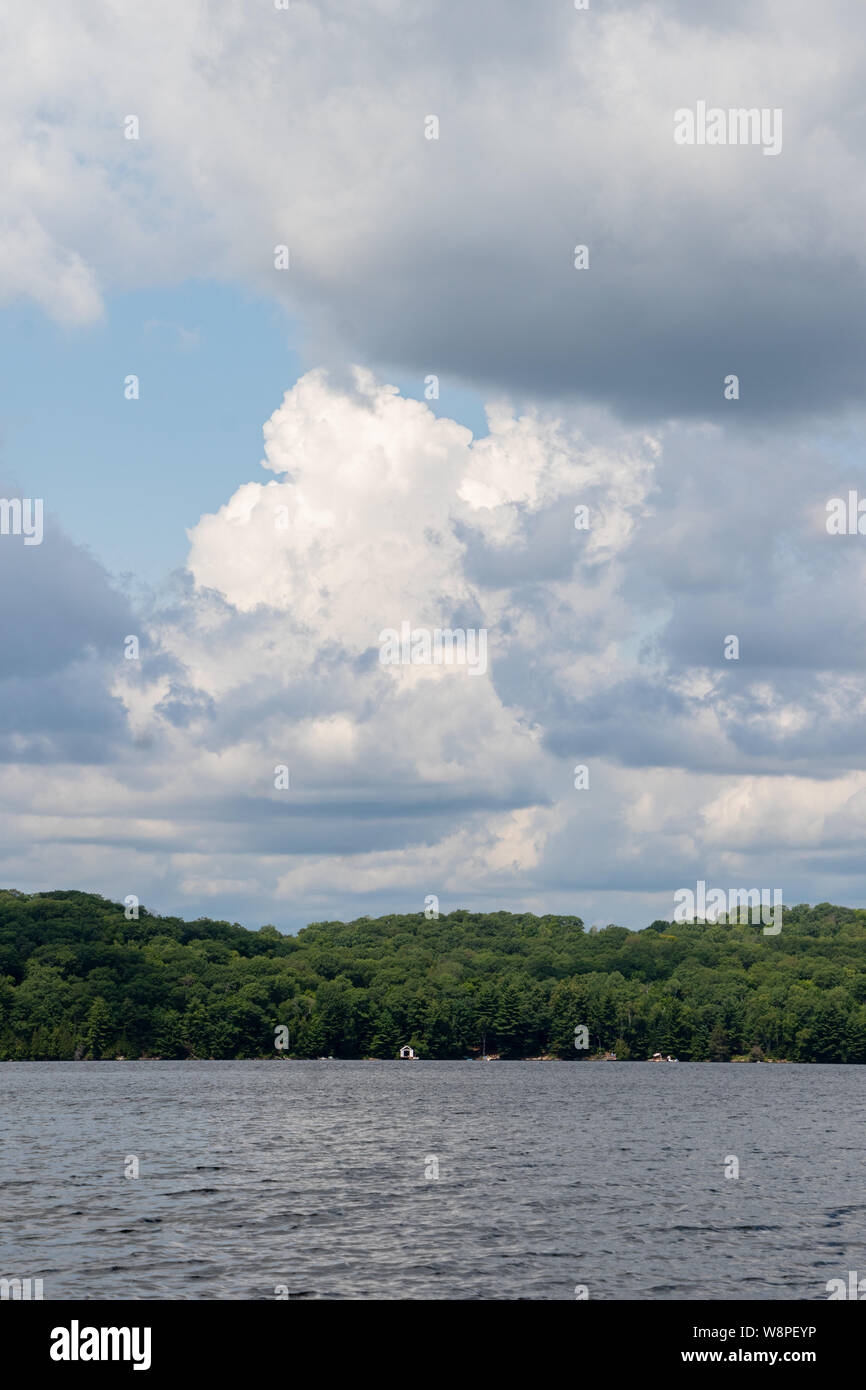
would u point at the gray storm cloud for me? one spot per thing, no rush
(456, 254)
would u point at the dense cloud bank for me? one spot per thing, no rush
(618, 533)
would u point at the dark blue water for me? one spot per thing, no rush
(311, 1175)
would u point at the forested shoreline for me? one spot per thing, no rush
(79, 980)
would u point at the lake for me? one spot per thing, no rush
(319, 1178)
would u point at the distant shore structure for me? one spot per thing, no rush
(407, 1054)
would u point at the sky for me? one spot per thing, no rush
(299, 347)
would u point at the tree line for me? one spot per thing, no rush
(79, 980)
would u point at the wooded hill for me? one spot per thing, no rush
(78, 979)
